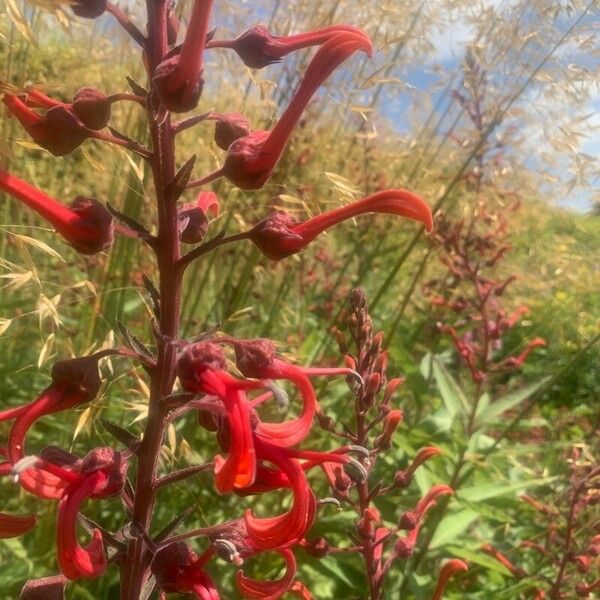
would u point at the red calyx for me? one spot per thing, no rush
(229, 128)
(196, 359)
(92, 107)
(89, 9)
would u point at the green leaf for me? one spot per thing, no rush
(452, 526)
(479, 558)
(454, 398)
(487, 491)
(495, 409)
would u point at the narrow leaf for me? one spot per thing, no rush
(134, 342)
(496, 408)
(170, 527)
(454, 398)
(452, 526)
(177, 185)
(129, 222)
(128, 439)
(136, 88)
(153, 295)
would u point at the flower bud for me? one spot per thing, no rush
(46, 588)
(404, 547)
(229, 128)
(193, 224)
(88, 9)
(408, 521)
(318, 547)
(91, 107)
(253, 356)
(390, 424)
(78, 375)
(195, 359)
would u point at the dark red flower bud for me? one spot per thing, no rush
(92, 107)
(404, 547)
(58, 131)
(318, 547)
(193, 224)
(88, 9)
(408, 521)
(253, 356)
(176, 96)
(229, 128)
(47, 588)
(78, 376)
(113, 466)
(402, 479)
(195, 359)
(178, 78)
(178, 568)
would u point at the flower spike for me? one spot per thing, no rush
(178, 79)
(251, 159)
(279, 236)
(258, 48)
(86, 224)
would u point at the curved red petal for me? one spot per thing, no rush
(254, 589)
(75, 561)
(15, 525)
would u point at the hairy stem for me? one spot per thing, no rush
(167, 251)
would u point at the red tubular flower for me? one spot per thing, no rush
(178, 568)
(74, 382)
(448, 570)
(503, 560)
(201, 369)
(102, 475)
(58, 131)
(516, 362)
(178, 79)
(279, 236)
(86, 224)
(268, 590)
(15, 525)
(300, 590)
(403, 478)
(256, 358)
(258, 48)
(289, 528)
(390, 423)
(251, 159)
(429, 500)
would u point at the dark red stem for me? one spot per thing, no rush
(167, 251)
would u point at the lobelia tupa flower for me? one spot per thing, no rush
(279, 236)
(85, 224)
(251, 159)
(255, 453)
